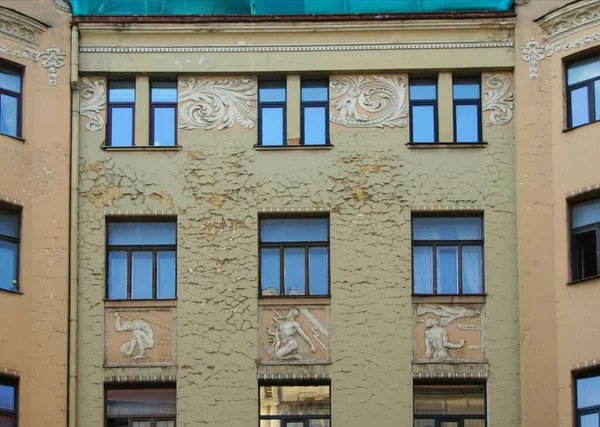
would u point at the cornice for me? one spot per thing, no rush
(20, 28)
(450, 375)
(294, 377)
(570, 19)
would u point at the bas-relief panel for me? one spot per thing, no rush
(139, 336)
(449, 333)
(294, 335)
(498, 99)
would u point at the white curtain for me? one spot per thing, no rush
(423, 269)
(472, 270)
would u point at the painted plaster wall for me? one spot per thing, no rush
(33, 335)
(370, 181)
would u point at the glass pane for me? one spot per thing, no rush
(140, 402)
(449, 424)
(8, 115)
(447, 270)
(9, 266)
(7, 421)
(117, 275)
(585, 262)
(424, 423)
(447, 400)
(271, 126)
(423, 90)
(447, 228)
(121, 92)
(294, 400)
(294, 271)
(7, 397)
(294, 230)
(314, 91)
(270, 423)
(472, 270)
(272, 94)
(10, 81)
(9, 224)
(140, 424)
(586, 214)
(294, 424)
(423, 269)
(164, 92)
(121, 127)
(467, 123)
(583, 70)
(590, 420)
(318, 423)
(597, 98)
(318, 271)
(269, 271)
(466, 89)
(165, 423)
(423, 123)
(142, 233)
(141, 275)
(580, 114)
(164, 126)
(474, 423)
(315, 122)
(588, 392)
(165, 274)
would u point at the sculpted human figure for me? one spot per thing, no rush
(285, 345)
(143, 337)
(436, 341)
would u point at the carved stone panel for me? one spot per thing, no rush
(453, 333)
(498, 99)
(93, 102)
(294, 335)
(139, 336)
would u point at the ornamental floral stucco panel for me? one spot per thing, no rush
(294, 334)
(369, 101)
(53, 59)
(93, 102)
(449, 333)
(498, 99)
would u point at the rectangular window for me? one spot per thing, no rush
(141, 260)
(295, 406)
(423, 111)
(447, 255)
(315, 113)
(10, 101)
(121, 113)
(149, 407)
(9, 250)
(294, 257)
(583, 92)
(449, 405)
(467, 109)
(163, 114)
(585, 232)
(271, 113)
(9, 399)
(587, 401)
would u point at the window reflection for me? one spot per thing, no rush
(271, 110)
(121, 106)
(583, 92)
(423, 110)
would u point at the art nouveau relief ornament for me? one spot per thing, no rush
(93, 94)
(53, 59)
(20, 28)
(369, 101)
(498, 99)
(571, 18)
(208, 103)
(532, 52)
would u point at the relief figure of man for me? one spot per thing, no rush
(436, 341)
(143, 336)
(285, 346)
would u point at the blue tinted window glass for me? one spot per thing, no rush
(466, 89)
(164, 126)
(447, 270)
(590, 420)
(472, 270)
(271, 126)
(423, 269)
(141, 275)
(8, 266)
(588, 392)
(117, 275)
(7, 397)
(121, 92)
(583, 70)
(269, 271)
(10, 81)
(597, 98)
(423, 123)
(142, 233)
(165, 274)
(423, 90)
(121, 126)
(9, 224)
(315, 122)
(586, 214)
(294, 271)
(318, 271)
(164, 92)
(272, 94)
(8, 115)
(579, 107)
(467, 123)
(447, 228)
(294, 230)
(316, 91)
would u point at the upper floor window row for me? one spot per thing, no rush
(583, 92)
(11, 100)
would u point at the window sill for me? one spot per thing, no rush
(294, 300)
(292, 147)
(142, 148)
(434, 145)
(580, 126)
(8, 291)
(449, 299)
(587, 279)
(115, 303)
(18, 138)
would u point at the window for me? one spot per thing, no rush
(294, 257)
(587, 400)
(295, 406)
(271, 113)
(9, 250)
(315, 113)
(585, 229)
(449, 405)
(466, 93)
(8, 402)
(583, 92)
(10, 101)
(163, 114)
(141, 260)
(423, 110)
(121, 107)
(447, 255)
(150, 407)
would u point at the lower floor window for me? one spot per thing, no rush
(449, 405)
(295, 406)
(8, 402)
(588, 401)
(135, 407)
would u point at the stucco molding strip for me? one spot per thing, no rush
(141, 379)
(93, 94)
(140, 213)
(583, 190)
(293, 210)
(9, 372)
(498, 99)
(588, 364)
(570, 19)
(448, 208)
(299, 48)
(21, 28)
(52, 59)
(11, 201)
(294, 377)
(450, 375)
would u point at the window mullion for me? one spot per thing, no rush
(129, 274)
(281, 271)
(459, 270)
(306, 271)
(434, 275)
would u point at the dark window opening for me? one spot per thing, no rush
(11, 99)
(423, 111)
(315, 113)
(121, 113)
(585, 249)
(163, 114)
(10, 231)
(271, 113)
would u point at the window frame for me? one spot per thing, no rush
(573, 256)
(577, 412)
(569, 62)
(138, 248)
(305, 104)
(458, 418)
(109, 113)
(274, 84)
(469, 101)
(283, 419)
(159, 104)
(14, 240)
(14, 383)
(20, 70)
(287, 245)
(423, 102)
(434, 244)
(140, 386)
